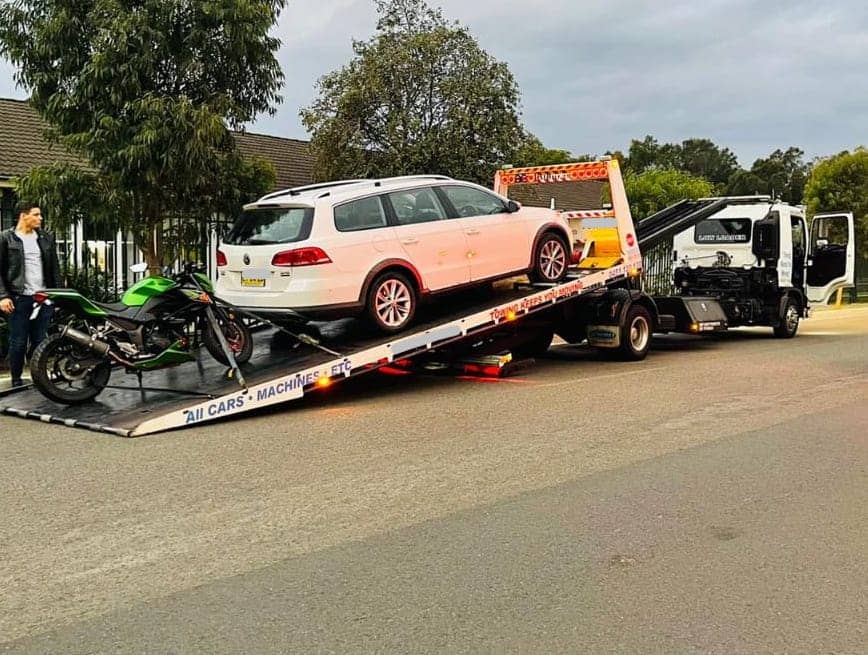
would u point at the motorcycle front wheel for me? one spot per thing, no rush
(237, 335)
(68, 373)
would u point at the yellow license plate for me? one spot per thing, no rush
(252, 282)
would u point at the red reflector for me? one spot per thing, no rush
(221, 258)
(40, 297)
(301, 257)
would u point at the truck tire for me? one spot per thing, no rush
(789, 320)
(636, 333)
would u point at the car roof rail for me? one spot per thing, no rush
(411, 178)
(294, 191)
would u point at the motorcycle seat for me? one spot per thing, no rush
(120, 310)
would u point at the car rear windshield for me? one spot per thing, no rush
(723, 230)
(269, 225)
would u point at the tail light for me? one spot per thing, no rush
(40, 297)
(301, 257)
(221, 258)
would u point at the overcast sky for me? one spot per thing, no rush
(750, 75)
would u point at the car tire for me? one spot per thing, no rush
(391, 303)
(789, 320)
(551, 258)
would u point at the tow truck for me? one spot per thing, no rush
(601, 301)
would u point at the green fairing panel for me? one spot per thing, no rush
(73, 296)
(143, 290)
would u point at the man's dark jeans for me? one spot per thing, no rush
(24, 332)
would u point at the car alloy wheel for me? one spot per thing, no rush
(551, 260)
(392, 302)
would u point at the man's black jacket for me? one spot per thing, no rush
(12, 263)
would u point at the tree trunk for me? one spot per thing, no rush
(152, 249)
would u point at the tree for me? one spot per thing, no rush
(420, 96)
(145, 92)
(699, 157)
(840, 183)
(782, 174)
(656, 189)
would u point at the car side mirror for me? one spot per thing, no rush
(512, 206)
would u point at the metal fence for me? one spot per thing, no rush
(97, 260)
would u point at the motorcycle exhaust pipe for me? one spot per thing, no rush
(99, 347)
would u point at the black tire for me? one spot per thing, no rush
(391, 303)
(636, 334)
(551, 258)
(237, 334)
(66, 372)
(789, 320)
(536, 346)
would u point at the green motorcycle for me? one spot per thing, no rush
(160, 322)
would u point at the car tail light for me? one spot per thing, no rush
(40, 297)
(221, 258)
(301, 257)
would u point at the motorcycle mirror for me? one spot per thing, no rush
(139, 268)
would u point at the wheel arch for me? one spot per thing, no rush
(550, 228)
(397, 265)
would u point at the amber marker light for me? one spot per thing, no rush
(323, 382)
(510, 316)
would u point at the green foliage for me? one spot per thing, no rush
(782, 174)
(144, 92)
(840, 183)
(420, 96)
(92, 283)
(698, 157)
(656, 189)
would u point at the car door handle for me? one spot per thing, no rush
(409, 242)
(471, 232)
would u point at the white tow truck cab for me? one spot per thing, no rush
(761, 263)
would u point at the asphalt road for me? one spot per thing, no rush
(712, 499)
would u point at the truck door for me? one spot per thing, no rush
(832, 261)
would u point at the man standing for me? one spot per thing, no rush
(28, 263)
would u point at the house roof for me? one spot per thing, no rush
(23, 145)
(291, 158)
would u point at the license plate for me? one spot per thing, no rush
(255, 277)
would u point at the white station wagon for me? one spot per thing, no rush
(379, 247)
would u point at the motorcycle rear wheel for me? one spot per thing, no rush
(237, 335)
(66, 372)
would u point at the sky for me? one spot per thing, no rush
(752, 76)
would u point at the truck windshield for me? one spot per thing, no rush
(723, 230)
(270, 225)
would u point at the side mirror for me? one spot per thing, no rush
(139, 268)
(512, 206)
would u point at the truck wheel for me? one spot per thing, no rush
(635, 334)
(789, 324)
